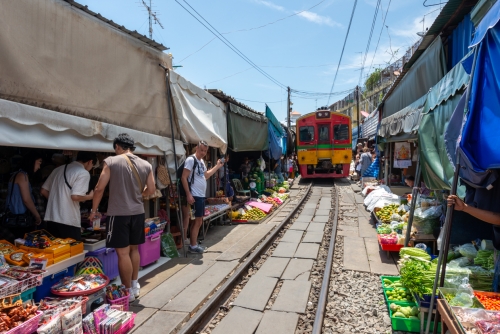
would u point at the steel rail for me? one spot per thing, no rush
(325, 285)
(213, 302)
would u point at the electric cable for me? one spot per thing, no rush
(343, 47)
(381, 30)
(369, 41)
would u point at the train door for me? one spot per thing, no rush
(324, 141)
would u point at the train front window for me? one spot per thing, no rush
(306, 133)
(323, 133)
(341, 132)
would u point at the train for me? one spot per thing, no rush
(324, 144)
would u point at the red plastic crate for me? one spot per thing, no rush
(389, 247)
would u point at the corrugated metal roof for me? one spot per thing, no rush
(134, 33)
(449, 17)
(228, 98)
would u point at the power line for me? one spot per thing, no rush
(228, 44)
(343, 47)
(381, 30)
(369, 40)
(229, 76)
(196, 51)
(238, 99)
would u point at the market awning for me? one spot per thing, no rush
(405, 121)
(369, 126)
(201, 116)
(27, 126)
(56, 56)
(425, 73)
(354, 137)
(442, 100)
(489, 21)
(247, 130)
(278, 128)
(276, 134)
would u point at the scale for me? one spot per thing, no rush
(253, 185)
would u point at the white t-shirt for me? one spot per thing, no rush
(199, 184)
(60, 207)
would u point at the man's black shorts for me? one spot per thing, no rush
(123, 231)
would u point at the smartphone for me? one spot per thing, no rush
(222, 160)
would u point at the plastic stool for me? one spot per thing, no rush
(96, 297)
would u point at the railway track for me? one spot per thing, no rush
(283, 285)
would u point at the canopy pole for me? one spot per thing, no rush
(445, 242)
(170, 109)
(414, 194)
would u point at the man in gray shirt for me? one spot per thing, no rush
(129, 178)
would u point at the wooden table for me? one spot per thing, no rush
(448, 321)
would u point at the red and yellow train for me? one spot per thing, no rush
(324, 147)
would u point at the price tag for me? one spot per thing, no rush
(38, 262)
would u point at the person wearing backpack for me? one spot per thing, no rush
(192, 190)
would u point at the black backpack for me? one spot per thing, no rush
(179, 172)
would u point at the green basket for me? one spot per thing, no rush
(390, 278)
(409, 325)
(27, 295)
(391, 301)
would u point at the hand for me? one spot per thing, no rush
(94, 215)
(38, 220)
(190, 199)
(90, 195)
(459, 204)
(220, 163)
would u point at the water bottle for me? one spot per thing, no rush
(96, 224)
(191, 212)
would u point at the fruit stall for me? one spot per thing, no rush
(467, 303)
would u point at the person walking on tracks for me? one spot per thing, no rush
(129, 178)
(194, 185)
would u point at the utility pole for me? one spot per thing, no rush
(152, 17)
(357, 107)
(288, 110)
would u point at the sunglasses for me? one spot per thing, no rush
(204, 143)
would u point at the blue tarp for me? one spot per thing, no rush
(275, 148)
(354, 137)
(373, 170)
(459, 40)
(480, 136)
(277, 135)
(278, 129)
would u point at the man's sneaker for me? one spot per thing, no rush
(131, 297)
(197, 249)
(137, 290)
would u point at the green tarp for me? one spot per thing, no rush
(441, 101)
(247, 130)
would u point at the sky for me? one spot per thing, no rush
(296, 43)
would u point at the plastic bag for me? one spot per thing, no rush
(457, 278)
(168, 246)
(460, 262)
(468, 250)
(462, 299)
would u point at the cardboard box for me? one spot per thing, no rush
(76, 248)
(28, 256)
(57, 250)
(61, 257)
(15, 261)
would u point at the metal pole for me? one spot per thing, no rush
(170, 109)
(288, 109)
(358, 114)
(414, 194)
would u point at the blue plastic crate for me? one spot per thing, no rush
(43, 290)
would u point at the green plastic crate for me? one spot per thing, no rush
(390, 278)
(27, 295)
(390, 301)
(409, 325)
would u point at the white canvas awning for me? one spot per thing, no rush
(27, 126)
(201, 116)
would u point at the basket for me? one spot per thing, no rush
(127, 326)
(21, 286)
(29, 326)
(123, 301)
(162, 174)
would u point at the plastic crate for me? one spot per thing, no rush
(127, 325)
(95, 300)
(43, 290)
(409, 325)
(150, 250)
(123, 301)
(425, 301)
(109, 260)
(27, 295)
(29, 326)
(390, 278)
(391, 301)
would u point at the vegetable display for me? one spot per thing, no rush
(399, 294)
(415, 252)
(410, 312)
(490, 301)
(392, 284)
(485, 259)
(417, 274)
(254, 214)
(386, 212)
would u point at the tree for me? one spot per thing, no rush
(373, 79)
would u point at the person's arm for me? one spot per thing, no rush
(484, 215)
(214, 169)
(150, 185)
(80, 187)
(22, 181)
(83, 198)
(185, 184)
(99, 191)
(45, 193)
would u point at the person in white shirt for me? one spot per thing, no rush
(195, 192)
(65, 188)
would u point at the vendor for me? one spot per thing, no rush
(484, 215)
(245, 168)
(224, 175)
(410, 182)
(277, 170)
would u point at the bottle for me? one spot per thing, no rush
(96, 224)
(191, 212)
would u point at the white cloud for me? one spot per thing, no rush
(271, 5)
(410, 30)
(318, 19)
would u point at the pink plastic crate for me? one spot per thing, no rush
(150, 250)
(29, 326)
(127, 326)
(120, 301)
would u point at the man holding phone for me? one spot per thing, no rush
(195, 170)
